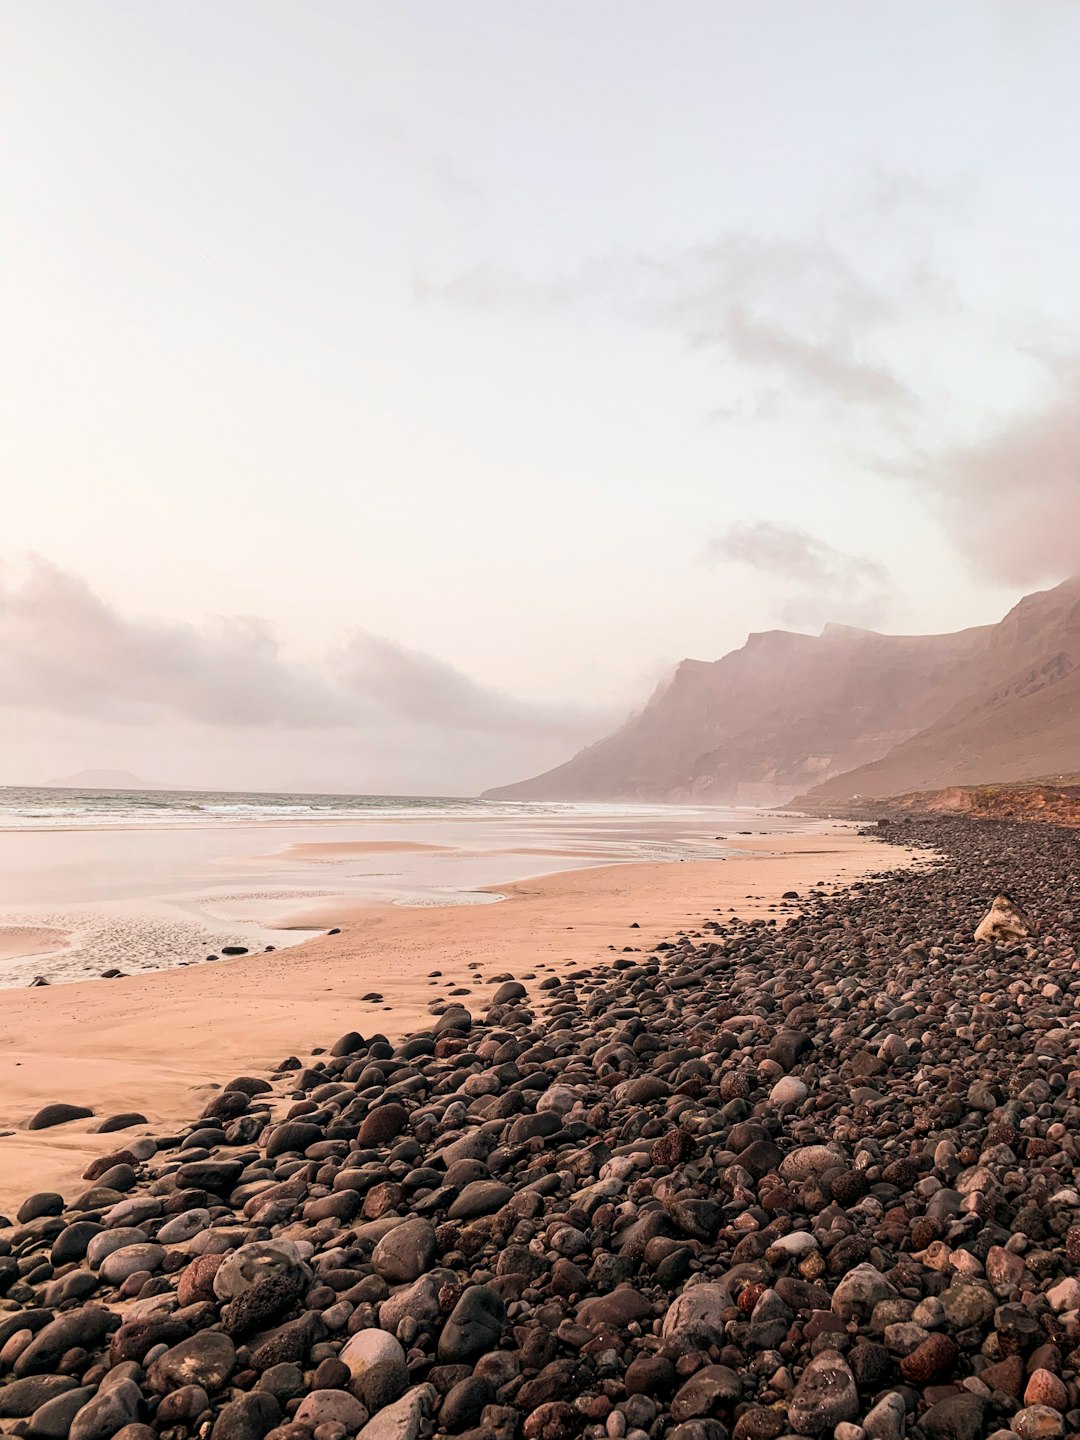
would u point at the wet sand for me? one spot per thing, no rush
(145, 897)
(332, 849)
(161, 1043)
(20, 941)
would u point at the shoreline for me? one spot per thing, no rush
(162, 1043)
(150, 898)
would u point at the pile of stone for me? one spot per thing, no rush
(814, 1178)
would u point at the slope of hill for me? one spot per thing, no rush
(1053, 802)
(771, 718)
(848, 712)
(1022, 721)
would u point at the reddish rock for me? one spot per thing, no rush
(1003, 1268)
(383, 1123)
(197, 1280)
(1007, 1375)
(930, 1360)
(554, 1421)
(1044, 1388)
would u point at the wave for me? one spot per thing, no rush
(25, 807)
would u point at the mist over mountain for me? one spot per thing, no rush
(847, 712)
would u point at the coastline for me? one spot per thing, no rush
(149, 897)
(162, 1043)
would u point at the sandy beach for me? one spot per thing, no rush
(160, 1043)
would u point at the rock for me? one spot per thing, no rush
(1038, 1422)
(697, 1316)
(71, 1244)
(464, 1404)
(1045, 1389)
(383, 1124)
(405, 1252)
(206, 1359)
(810, 1160)
(218, 1176)
(23, 1397)
(760, 1422)
(506, 994)
(554, 1420)
(58, 1114)
(108, 1412)
(824, 1396)
(618, 1309)
(34, 1207)
(182, 1407)
(249, 1417)
(1065, 1295)
(82, 1329)
(249, 1264)
(261, 1304)
(112, 1123)
(52, 1421)
(479, 1197)
(788, 1090)
(137, 1337)
(403, 1419)
(960, 1417)
(933, 1358)
(380, 1385)
(474, 1325)
(418, 1301)
(331, 1407)
(710, 1389)
(966, 1305)
(886, 1419)
(1003, 923)
(128, 1260)
(370, 1347)
(859, 1291)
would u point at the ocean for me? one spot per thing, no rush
(134, 880)
(27, 807)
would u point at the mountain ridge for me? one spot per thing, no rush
(821, 716)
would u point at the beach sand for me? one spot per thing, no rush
(161, 1043)
(19, 941)
(335, 849)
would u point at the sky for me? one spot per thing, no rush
(391, 394)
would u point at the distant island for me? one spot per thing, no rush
(99, 780)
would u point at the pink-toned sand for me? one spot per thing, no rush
(160, 1043)
(17, 941)
(333, 849)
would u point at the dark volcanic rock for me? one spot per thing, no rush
(475, 1324)
(58, 1114)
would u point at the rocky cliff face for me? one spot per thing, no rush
(1026, 801)
(1020, 719)
(848, 712)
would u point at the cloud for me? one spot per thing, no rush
(795, 313)
(1011, 502)
(425, 690)
(68, 651)
(818, 582)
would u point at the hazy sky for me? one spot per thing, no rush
(488, 358)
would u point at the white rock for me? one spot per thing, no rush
(371, 1347)
(788, 1090)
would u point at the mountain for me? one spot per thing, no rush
(98, 780)
(847, 712)
(1021, 722)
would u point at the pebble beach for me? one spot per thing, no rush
(808, 1171)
